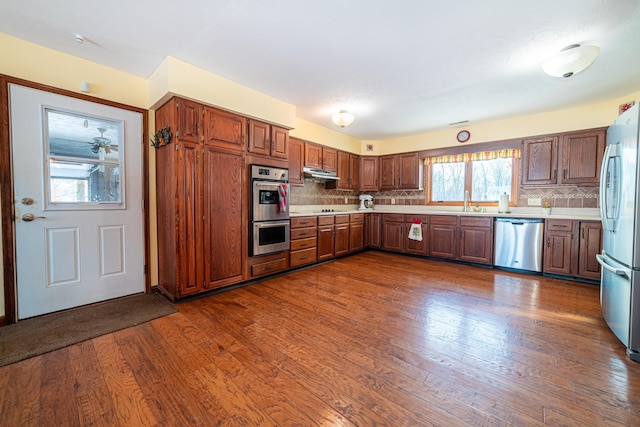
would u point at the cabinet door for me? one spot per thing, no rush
(326, 242)
(582, 154)
(312, 156)
(368, 173)
(279, 142)
(189, 114)
(387, 172)
(409, 171)
(343, 172)
(223, 129)
(476, 245)
(590, 245)
(356, 236)
(259, 135)
(540, 161)
(296, 160)
(557, 253)
(416, 247)
(373, 237)
(354, 171)
(342, 239)
(392, 236)
(189, 260)
(442, 242)
(329, 159)
(224, 231)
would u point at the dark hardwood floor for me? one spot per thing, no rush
(373, 339)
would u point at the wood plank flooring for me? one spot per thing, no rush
(375, 339)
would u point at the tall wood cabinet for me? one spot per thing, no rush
(200, 180)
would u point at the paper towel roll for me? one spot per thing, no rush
(503, 203)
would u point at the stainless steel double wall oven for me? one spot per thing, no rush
(270, 221)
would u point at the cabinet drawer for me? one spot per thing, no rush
(559, 225)
(342, 219)
(393, 217)
(359, 217)
(443, 219)
(325, 220)
(305, 256)
(303, 233)
(304, 221)
(296, 245)
(423, 218)
(475, 221)
(274, 264)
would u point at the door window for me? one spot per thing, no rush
(85, 162)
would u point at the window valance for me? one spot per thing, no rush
(471, 157)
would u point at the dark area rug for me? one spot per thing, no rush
(43, 334)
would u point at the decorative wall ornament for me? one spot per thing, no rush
(162, 138)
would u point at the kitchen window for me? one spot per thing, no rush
(485, 175)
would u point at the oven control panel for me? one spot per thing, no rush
(268, 173)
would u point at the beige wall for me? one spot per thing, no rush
(35, 63)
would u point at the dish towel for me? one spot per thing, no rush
(282, 197)
(415, 232)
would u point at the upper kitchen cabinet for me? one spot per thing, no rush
(582, 154)
(540, 161)
(348, 172)
(296, 161)
(320, 157)
(368, 173)
(268, 140)
(569, 158)
(400, 172)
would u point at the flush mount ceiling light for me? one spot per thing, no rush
(343, 118)
(570, 60)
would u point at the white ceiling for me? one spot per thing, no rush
(403, 67)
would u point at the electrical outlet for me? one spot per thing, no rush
(393, 201)
(346, 200)
(534, 201)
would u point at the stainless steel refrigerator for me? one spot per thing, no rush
(620, 258)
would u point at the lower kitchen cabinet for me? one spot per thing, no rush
(356, 232)
(373, 236)
(570, 248)
(303, 241)
(590, 244)
(269, 264)
(558, 238)
(395, 234)
(463, 238)
(333, 236)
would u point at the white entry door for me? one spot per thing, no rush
(77, 173)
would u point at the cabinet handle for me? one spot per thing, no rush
(555, 174)
(548, 242)
(582, 230)
(564, 174)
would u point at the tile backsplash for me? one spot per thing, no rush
(314, 193)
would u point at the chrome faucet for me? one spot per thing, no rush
(466, 201)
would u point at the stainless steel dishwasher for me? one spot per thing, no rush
(518, 243)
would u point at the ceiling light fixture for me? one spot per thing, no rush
(570, 60)
(343, 118)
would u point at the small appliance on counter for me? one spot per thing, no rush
(366, 202)
(503, 203)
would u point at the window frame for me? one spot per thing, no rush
(468, 186)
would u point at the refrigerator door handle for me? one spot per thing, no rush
(614, 270)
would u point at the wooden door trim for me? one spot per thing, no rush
(6, 185)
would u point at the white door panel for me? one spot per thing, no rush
(74, 254)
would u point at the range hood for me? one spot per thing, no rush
(320, 174)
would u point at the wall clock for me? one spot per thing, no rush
(463, 136)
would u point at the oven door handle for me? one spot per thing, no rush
(268, 184)
(263, 224)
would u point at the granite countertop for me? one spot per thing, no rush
(586, 214)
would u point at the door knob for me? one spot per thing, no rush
(28, 217)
